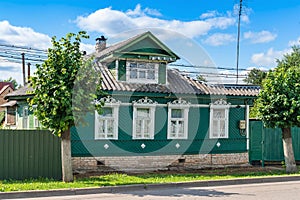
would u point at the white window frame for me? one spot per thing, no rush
(109, 102)
(138, 79)
(184, 107)
(25, 117)
(219, 105)
(144, 103)
(36, 123)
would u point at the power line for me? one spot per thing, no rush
(207, 67)
(13, 53)
(23, 48)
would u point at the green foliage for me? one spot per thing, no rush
(62, 84)
(255, 76)
(278, 103)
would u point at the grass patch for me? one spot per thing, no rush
(128, 179)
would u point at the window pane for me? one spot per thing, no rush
(138, 126)
(151, 74)
(101, 128)
(147, 126)
(110, 126)
(215, 128)
(142, 71)
(106, 112)
(143, 112)
(222, 128)
(142, 74)
(150, 66)
(142, 65)
(176, 113)
(173, 126)
(133, 73)
(181, 127)
(133, 65)
(219, 114)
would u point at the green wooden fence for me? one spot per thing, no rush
(29, 154)
(266, 143)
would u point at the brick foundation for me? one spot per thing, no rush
(150, 163)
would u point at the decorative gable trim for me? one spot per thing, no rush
(109, 100)
(220, 102)
(144, 102)
(179, 103)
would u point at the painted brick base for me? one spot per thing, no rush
(150, 163)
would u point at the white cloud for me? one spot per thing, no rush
(269, 58)
(111, 22)
(209, 14)
(10, 69)
(139, 12)
(219, 39)
(23, 36)
(260, 37)
(221, 22)
(245, 12)
(294, 42)
(89, 48)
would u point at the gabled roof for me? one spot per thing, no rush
(118, 47)
(5, 87)
(2, 84)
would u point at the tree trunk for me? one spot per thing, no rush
(288, 151)
(66, 159)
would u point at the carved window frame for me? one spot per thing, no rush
(177, 123)
(114, 105)
(219, 119)
(145, 104)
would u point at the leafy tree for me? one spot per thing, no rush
(255, 76)
(63, 85)
(278, 103)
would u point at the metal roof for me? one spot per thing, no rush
(176, 84)
(23, 91)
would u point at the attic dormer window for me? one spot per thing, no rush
(142, 72)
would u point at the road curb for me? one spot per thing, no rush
(127, 188)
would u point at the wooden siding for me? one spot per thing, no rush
(198, 141)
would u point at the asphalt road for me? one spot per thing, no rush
(275, 191)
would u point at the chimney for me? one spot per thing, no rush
(100, 43)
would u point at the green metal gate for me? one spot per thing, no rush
(266, 143)
(29, 154)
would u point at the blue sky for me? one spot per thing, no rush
(268, 28)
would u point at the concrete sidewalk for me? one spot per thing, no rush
(120, 189)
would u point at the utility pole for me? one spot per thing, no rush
(238, 43)
(28, 72)
(23, 67)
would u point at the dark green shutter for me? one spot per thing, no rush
(162, 73)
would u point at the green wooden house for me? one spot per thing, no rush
(154, 117)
